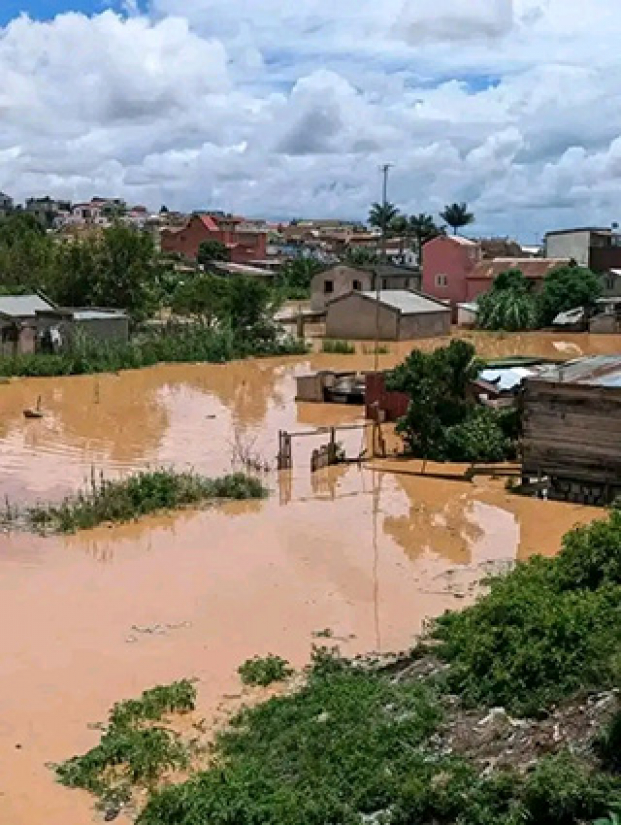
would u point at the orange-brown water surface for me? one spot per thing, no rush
(96, 617)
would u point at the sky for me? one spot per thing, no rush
(287, 108)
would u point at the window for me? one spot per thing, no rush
(357, 285)
(442, 280)
(328, 287)
(610, 282)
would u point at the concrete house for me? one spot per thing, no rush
(18, 322)
(58, 327)
(343, 279)
(480, 279)
(447, 261)
(243, 242)
(599, 249)
(400, 315)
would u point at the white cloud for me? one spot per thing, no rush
(285, 109)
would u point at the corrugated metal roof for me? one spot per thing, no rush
(530, 267)
(408, 303)
(599, 371)
(97, 314)
(23, 306)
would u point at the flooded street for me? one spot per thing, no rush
(89, 619)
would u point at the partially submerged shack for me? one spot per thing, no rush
(59, 327)
(18, 322)
(572, 429)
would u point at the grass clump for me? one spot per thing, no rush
(264, 670)
(145, 492)
(338, 347)
(133, 750)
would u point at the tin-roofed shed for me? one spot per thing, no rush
(398, 315)
(572, 429)
(18, 323)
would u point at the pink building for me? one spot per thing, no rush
(447, 262)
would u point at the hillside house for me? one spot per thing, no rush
(343, 279)
(243, 243)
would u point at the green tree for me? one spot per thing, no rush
(295, 277)
(361, 256)
(118, 269)
(202, 297)
(436, 385)
(423, 228)
(27, 253)
(212, 251)
(566, 288)
(247, 305)
(509, 304)
(457, 215)
(381, 216)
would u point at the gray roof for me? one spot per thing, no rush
(23, 306)
(406, 301)
(598, 371)
(97, 314)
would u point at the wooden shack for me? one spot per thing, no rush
(572, 429)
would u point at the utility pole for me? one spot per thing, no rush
(384, 169)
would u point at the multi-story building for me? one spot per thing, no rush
(244, 243)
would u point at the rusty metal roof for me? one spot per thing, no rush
(598, 371)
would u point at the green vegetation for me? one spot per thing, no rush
(129, 498)
(550, 628)
(264, 670)
(362, 742)
(133, 750)
(566, 288)
(338, 347)
(442, 423)
(293, 281)
(380, 349)
(176, 343)
(512, 305)
(382, 215)
(212, 251)
(457, 216)
(509, 305)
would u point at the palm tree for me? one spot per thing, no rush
(457, 215)
(382, 215)
(423, 228)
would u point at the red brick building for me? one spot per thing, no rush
(244, 244)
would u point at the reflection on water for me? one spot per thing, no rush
(368, 554)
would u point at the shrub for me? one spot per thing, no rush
(478, 438)
(264, 670)
(548, 629)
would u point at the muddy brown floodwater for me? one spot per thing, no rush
(97, 617)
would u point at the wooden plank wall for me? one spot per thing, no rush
(572, 431)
